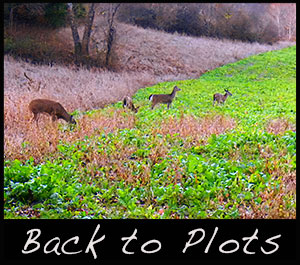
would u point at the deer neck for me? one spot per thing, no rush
(173, 93)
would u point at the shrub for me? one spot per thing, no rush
(50, 15)
(55, 14)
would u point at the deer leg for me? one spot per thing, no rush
(35, 118)
(54, 117)
(169, 105)
(152, 105)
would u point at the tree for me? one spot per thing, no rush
(109, 29)
(81, 49)
(11, 15)
(106, 28)
(285, 18)
(88, 30)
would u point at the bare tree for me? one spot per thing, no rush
(110, 30)
(284, 15)
(81, 49)
(88, 30)
(104, 32)
(11, 17)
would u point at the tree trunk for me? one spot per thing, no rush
(88, 31)
(110, 39)
(11, 18)
(76, 38)
(110, 31)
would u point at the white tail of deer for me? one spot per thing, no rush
(163, 98)
(127, 102)
(55, 109)
(221, 98)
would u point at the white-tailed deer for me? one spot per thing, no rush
(221, 98)
(55, 109)
(163, 98)
(127, 102)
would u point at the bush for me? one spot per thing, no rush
(49, 15)
(55, 14)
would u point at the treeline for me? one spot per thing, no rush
(261, 22)
(30, 29)
(255, 22)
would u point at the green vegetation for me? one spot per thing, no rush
(191, 161)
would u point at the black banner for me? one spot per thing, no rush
(149, 240)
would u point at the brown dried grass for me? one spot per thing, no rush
(275, 203)
(22, 138)
(196, 128)
(174, 56)
(74, 89)
(166, 56)
(279, 126)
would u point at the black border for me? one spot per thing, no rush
(172, 234)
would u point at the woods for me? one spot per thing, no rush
(262, 23)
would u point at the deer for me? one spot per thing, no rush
(163, 98)
(55, 109)
(127, 102)
(221, 98)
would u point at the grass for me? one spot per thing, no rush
(167, 56)
(236, 160)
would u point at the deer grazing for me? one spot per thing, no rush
(55, 109)
(163, 98)
(127, 102)
(221, 98)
